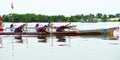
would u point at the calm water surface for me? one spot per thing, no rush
(61, 47)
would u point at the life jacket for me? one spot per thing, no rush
(19, 29)
(60, 28)
(41, 29)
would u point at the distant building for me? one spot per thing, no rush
(113, 19)
(99, 20)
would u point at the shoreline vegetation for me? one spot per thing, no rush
(91, 18)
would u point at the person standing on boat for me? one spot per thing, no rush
(20, 28)
(42, 29)
(61, 28)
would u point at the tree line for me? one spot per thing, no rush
(29, 17)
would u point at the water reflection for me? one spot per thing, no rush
(1, 42)
(103, 37)
(63, 41)
(18, 39)
(42, 38)
(61, 38)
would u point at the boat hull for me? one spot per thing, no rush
(53, 33)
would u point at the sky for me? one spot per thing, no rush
(60, 7)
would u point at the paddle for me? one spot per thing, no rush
(27, 36)
(50, 24)
(26, 24)
(51, 30)
(68, 25)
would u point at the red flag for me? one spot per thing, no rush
(12, 5)
(0, 18)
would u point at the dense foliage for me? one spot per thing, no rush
(59, 18)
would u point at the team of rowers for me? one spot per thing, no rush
(38, 28)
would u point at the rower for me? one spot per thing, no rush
(12, 27)
(1, 27)
(19, 29)
(42, 29)
(36, 25)
(61, 28)
(49, 25)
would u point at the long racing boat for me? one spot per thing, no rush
(109, 31)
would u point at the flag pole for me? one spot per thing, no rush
(12, 11)
(12, 7)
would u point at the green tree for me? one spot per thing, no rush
(117, 15)
(74, 19)
(104, 19)
(111, 16)
(79, 17)
(99, 15)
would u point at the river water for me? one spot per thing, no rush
(32, 47)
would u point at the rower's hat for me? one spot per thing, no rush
(45, 25)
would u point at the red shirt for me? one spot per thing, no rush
(1, 28)
(41, 29)
(21, 27)
(61, 27)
